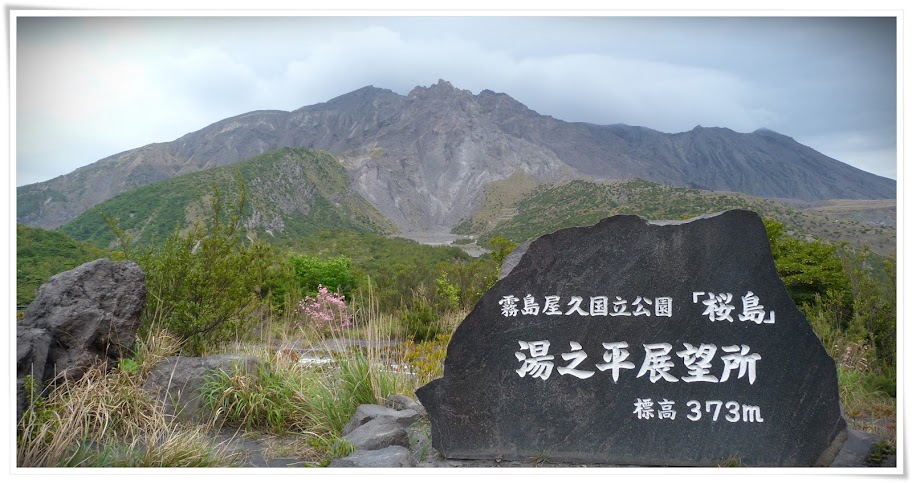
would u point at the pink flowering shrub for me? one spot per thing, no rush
(856, 356)
(326, 311)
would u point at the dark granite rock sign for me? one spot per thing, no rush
(640, 343)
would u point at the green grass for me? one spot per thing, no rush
(866, 403)
(41, 254)
(317, 400)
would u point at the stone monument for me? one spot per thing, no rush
(637, 343)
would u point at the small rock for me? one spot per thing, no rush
(32, 345)
(379, 433)
(401, 402)
(368, 412)
(389, 457)
(178, 382)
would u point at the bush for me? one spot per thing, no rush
(421, 322)
(202, 285)
(809, 269)
(333, 273)
(327, 312)
(463, 282)
(426, 358)
(874, 304)
(447, 293)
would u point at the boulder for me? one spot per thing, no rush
(389, 457)
(91, 312)
(32, 346)
(374, 427)
(177, 382)
(640, 343)
(79, 318)
(378, 433)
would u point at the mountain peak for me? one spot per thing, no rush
(423, 160)
(366, 91)
(769, 132)
(442, 88)
(443, 84)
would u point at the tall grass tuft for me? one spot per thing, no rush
(287, 395)
(107, 420)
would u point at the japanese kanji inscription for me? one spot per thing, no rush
(631, 342)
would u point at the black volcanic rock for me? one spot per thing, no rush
(423, 159)
(80, 317)
(695, 355)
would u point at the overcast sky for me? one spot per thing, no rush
(91, 87)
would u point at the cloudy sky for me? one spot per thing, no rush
(87, 88)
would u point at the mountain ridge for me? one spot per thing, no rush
(423, 159)
(290, 192)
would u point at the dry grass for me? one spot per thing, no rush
(107, 420)
(866, 408)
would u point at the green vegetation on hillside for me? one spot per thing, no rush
(550, 207)
(398, 269)
(217, 279)
(30, 201)
(43, 253)
(207, 280)
(292, 192)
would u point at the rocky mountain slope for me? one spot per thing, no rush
(291, 192)
(424, 159)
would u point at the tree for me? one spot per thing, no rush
(202, 285)
(333, 273)
(502, 247)
(808, 269)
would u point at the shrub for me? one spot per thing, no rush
(203, 284)
(421, 322)
(426, 358)
(325, 312)
(874, 304)
(808, 268)
(333, 273)
(501, 248)
(447, 293)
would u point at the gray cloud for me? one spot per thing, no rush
(88, 88)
